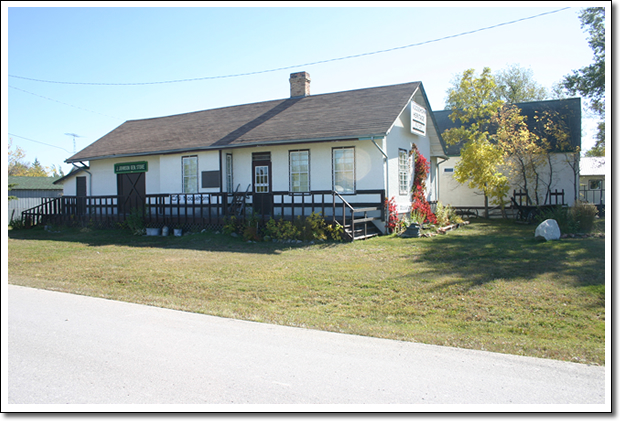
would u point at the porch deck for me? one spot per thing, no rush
(209, 210)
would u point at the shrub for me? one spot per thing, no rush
(17, 224)
(583, 214)
(336, 231)
(231, 225)
(579, 218)
(135, 221)
(446, 215)
(392, 219)
(418, 197)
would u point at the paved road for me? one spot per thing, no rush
(70, 349)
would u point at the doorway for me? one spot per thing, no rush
(131, 191)
(262, 198)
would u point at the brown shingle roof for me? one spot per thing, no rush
(341, 115)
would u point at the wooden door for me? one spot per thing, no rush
(80, 192)
(262, 197)
(131, 191)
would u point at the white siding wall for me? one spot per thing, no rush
(400, 137)
(368, 165)
(455, 194)
(164, 173)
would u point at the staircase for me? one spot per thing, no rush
(357, 223)
(238, 202)
(362, 228)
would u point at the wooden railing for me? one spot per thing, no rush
(595, 196)
(200, 209)
(364, 209)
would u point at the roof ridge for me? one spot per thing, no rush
(274, 101)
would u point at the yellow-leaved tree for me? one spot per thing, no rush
(525, 153)
(474, 105)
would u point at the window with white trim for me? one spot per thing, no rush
(190, 174)
(344, 170)
(229, 173)
(403, 172)
(299, 168)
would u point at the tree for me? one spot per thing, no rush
(525, 153)
(516, 84)
(474, 105)
(19, 167)
(589, 81)
(512, 85)
(551, 128)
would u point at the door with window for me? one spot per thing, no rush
(262, 197)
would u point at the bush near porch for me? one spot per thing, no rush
(488, 285)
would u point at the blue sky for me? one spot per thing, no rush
(135, 45)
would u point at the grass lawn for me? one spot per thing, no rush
(488, 285)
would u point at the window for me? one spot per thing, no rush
(299, 165)
(229, 173)
(190, 174)
(403, 172)
(261, 179)
(596, 184)
(344, 170)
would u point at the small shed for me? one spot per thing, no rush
(30, 192)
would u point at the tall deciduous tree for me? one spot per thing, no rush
(589, 81)
(524, 152)
(474, 105)
(516, 84)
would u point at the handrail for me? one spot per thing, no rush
(199, 208)
(353, 210)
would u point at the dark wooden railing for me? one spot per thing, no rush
(595, 196)
(201, 209)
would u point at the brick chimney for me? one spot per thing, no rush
(300, 84)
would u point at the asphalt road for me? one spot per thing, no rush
(71, 349)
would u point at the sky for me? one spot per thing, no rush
(85, 70)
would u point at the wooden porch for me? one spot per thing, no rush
(356, 213)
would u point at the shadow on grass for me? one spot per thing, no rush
(503, 250)
(207, 241)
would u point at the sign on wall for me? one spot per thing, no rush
(131, 167)
(418, 119)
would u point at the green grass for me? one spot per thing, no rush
(488, 285)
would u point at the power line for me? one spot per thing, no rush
(63, 103)
(36, 141)
(298, 65)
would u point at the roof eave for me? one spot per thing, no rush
(234, 146)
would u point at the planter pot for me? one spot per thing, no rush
(165, 231)
(153, 231)
(178, 232)
(412, 231)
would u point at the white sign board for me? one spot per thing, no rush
(418, 119)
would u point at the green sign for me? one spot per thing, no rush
(131, 167)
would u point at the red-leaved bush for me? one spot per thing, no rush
(418, 198)
(392, 219)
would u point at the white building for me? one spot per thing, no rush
(299, 149)
(560, 173)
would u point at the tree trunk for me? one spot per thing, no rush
(486, 206)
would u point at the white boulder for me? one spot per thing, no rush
(548, 230)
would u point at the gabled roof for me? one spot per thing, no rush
(33, 183)
(336, 116)
(74, 171)
(569, 109)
